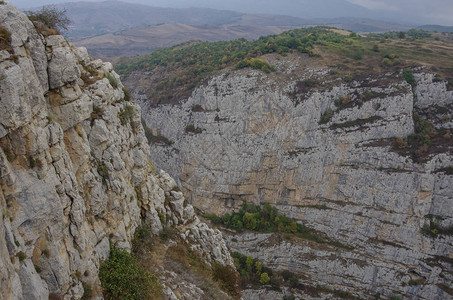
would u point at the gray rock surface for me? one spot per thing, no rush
(74, 170)
(263, 141)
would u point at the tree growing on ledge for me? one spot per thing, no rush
(48, 18)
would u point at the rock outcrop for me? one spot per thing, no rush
(323, 153)
(75, 173)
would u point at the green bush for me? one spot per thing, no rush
(409, 77)
(264, 278)
(256, 63)
(423, 129)
(122, 278)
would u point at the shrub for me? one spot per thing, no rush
(326, 116)
(423, 129)
(38, 269)
(122, 278)
(213, 218)
(256, 63)
(264, 278)
(21, 256)
(409, 77)
(341, 101)
(49, 17)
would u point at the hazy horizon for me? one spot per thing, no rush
(404, 11)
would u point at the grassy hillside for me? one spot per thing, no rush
(181, 68)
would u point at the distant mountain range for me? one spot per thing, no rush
(307, 9)
(95, 18)
(437, 28)
(114, 28)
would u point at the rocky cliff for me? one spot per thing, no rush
(74, 169)
(330, 152)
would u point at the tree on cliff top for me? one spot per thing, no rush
(49, 17)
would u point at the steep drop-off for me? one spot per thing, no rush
(331, 152)
(75, 173)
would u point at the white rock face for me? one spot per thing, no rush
(263, 141)
(74, 169)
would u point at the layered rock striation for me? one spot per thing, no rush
(75, 173)
(324, 151)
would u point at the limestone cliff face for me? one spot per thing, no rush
(256, 137)
(74, 169)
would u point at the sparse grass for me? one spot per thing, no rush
(103, 171)
(97, 113)
(126, 114)
(127, 95)
(112, 80)
(152, 252)
(5, 40)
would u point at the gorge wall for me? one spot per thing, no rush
(325, 151)
(75, 173)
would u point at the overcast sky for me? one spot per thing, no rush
(434, 10)
(425, 11)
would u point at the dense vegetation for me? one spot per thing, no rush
(181, 68)
(267, 219)
(204, 57)
(123, 278)
(188, 64)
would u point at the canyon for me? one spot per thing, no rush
(325, 152)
